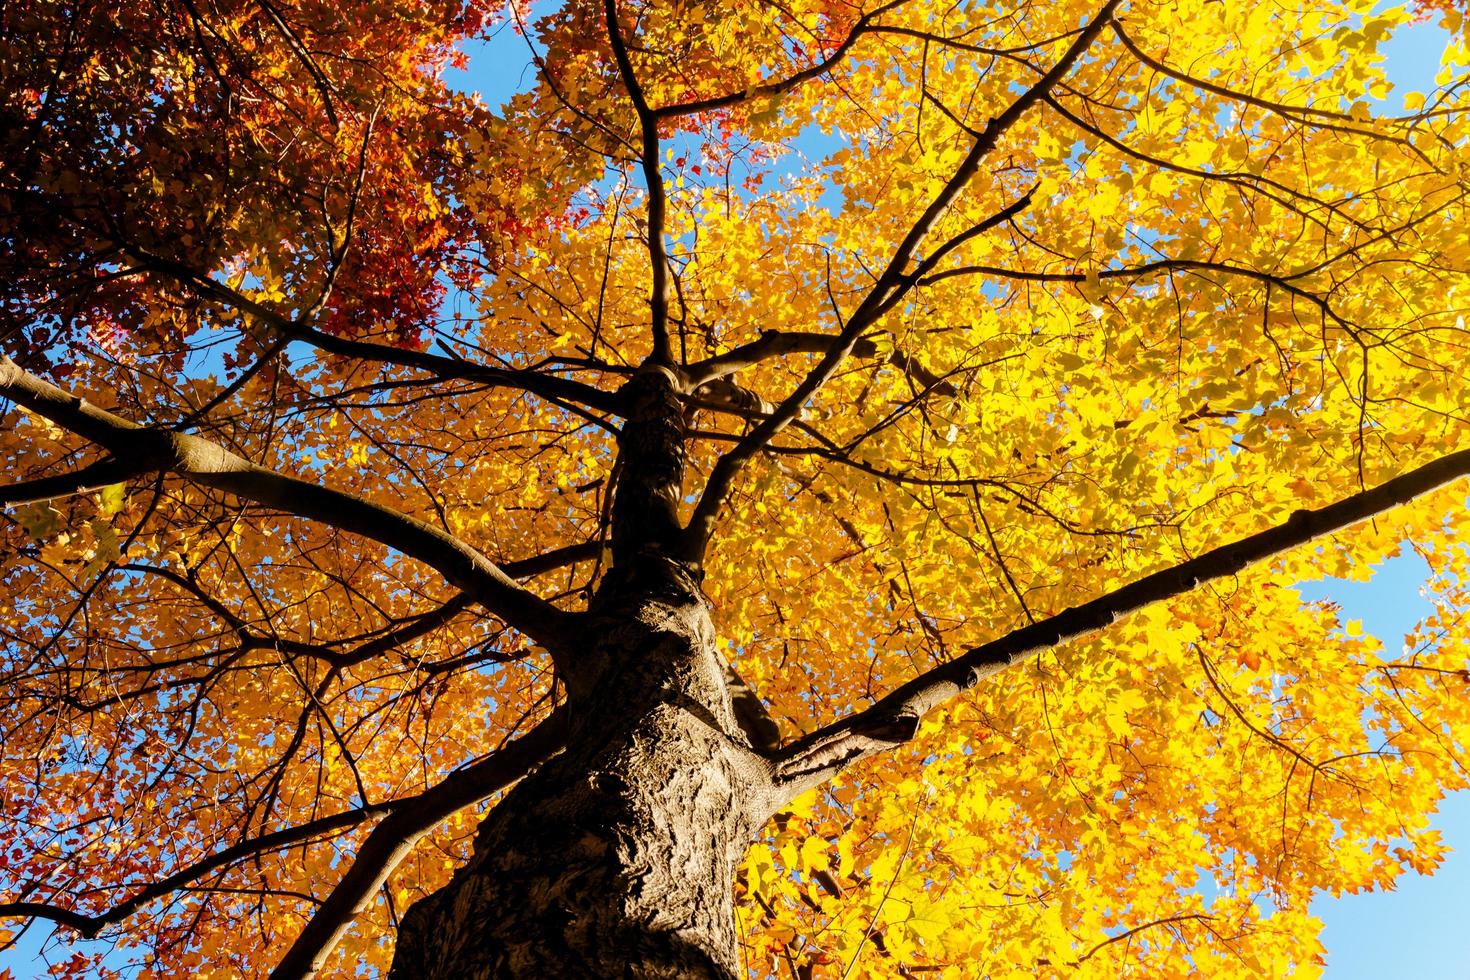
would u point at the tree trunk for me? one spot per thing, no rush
(617, 857)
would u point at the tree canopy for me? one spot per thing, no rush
(1058, 337)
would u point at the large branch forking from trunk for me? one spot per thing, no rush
(895, 718)
(896, 280)
(140, 449)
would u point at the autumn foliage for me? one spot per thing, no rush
(1098, 320)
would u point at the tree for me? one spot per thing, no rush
(809, 488)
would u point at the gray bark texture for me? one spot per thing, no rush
(617, 857)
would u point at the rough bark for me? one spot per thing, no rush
(617, 857)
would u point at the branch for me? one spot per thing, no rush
(94, 476)
(552, 388)
(462, 788)
(367, 645)
(773, 89)
(89, 926)
(1233, 95)
(895, 719)
(1282, 282)
(1269, 188)
(1341, 122)
(776, 343)
(891, 287)
(658, 300)
(148, 449)
(1130, 933)
(550, 560)
(303, 54)
(392, 840)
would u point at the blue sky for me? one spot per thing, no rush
(1418, 929)
(1414, 931)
